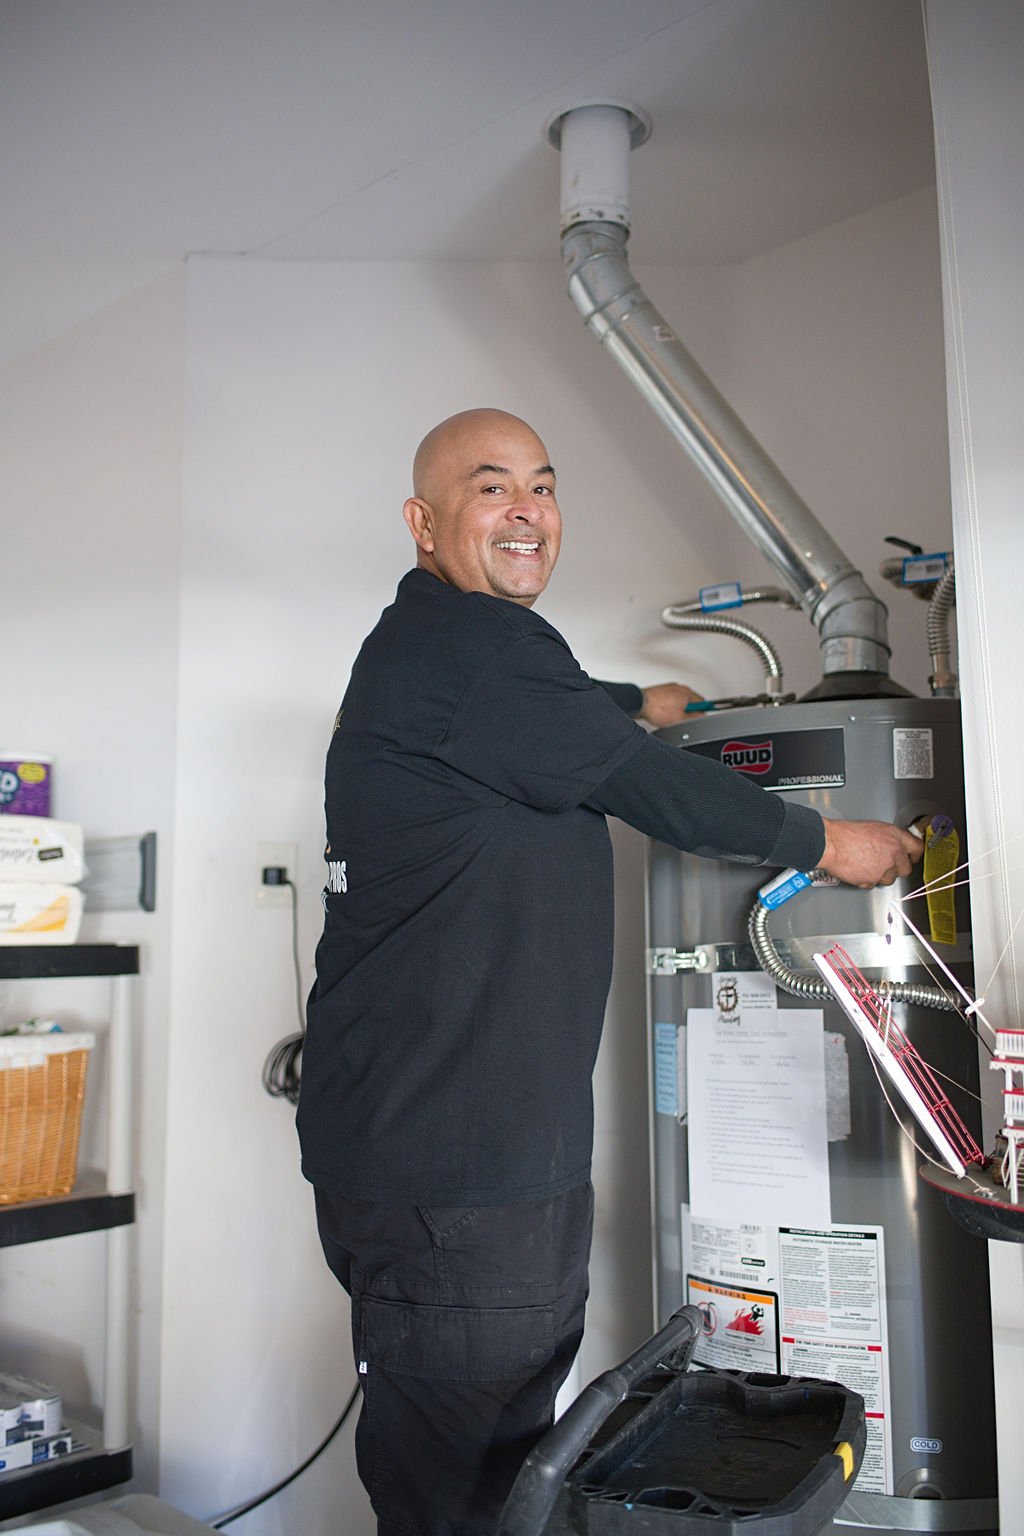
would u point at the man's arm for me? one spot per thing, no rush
(868, 853)
(660, 705)
(697, 804)
(665, 703)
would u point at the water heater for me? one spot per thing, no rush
(794, 1215)
(788, 1204)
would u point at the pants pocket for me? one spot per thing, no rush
(455, 1398)
(456, 1343)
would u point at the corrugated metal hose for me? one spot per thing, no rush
(809, 984)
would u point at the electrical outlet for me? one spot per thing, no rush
(276, 856)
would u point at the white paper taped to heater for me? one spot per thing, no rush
(39, 849)
(32, 913)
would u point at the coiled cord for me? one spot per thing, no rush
(282, 1074)
(282, 1070)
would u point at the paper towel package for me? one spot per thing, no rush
(34, 913)
(29, 1453)
(37, 848)
(25, 781)
(28, 1409)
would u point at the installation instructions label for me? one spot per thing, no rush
(799, 1301)
(833, 1325)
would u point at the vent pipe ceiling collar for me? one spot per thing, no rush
(595, 139)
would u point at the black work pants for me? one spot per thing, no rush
(465, 1322)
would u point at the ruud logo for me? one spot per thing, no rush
(748, 756)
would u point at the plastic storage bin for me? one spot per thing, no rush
(42, 1086)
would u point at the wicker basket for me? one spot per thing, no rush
(42, 1085)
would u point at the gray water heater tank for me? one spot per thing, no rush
(889, 1295)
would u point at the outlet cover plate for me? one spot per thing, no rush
(269, 855)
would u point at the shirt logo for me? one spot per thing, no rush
(337, 877)
(748, 756)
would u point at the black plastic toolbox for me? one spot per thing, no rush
(656, 1449)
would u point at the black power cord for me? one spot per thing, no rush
(282, 1074)
(282, 1070)
(220, 1521)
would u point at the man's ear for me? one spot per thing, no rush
(420, 519)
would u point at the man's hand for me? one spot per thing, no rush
(868, 853)
(665, 703)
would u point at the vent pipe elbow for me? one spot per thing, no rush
(595, 140)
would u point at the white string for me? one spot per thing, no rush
(975, 859)
(933, 977)
(908, 1133)
(944, 882)
(942, 966)
(956, 1084)
(947, 884)
(1003, 951)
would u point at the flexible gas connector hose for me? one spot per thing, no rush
(808, 984)
(943, 679)
(690, 615)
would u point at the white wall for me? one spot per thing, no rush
(306, 390)
(840, 372)
(90, 480)
(976, 59)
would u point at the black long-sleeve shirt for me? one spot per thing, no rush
(466, 953)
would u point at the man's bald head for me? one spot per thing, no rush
(446, 445)
(483, 510)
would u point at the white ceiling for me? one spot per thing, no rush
(137, 131)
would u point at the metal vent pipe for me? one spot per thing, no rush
(595, 140)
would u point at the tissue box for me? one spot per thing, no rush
(32, 912)
(25, 779)
(37, 848)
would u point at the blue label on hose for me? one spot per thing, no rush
(924, 568)
(728, 594)
(784, 886)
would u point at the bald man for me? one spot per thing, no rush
(445, 1112)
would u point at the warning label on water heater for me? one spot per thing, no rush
(913, 754)
(741, 1327)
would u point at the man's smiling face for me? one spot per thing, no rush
(484, 515)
